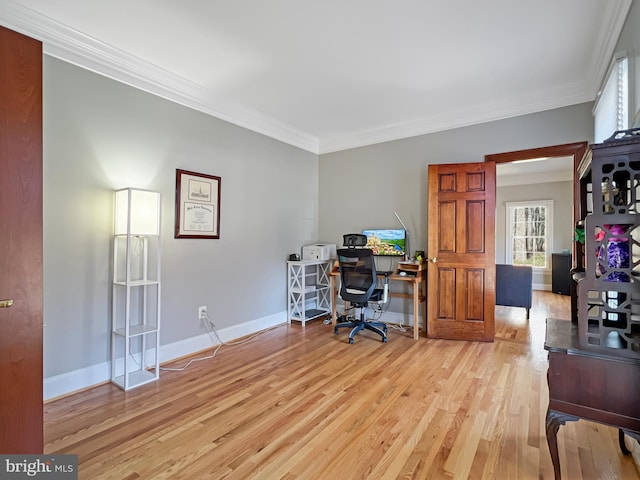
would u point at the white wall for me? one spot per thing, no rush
(562, 195)
(100, 135)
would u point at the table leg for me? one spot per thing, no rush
(416, 306)
(423, 293)
(623, 445)
(554, 420)
(333, 300)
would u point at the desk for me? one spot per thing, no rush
(418, 284)
(585, 384)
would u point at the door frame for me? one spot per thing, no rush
(577, 150)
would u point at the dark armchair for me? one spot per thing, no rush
(514, 286)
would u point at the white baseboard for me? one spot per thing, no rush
(398, 318)
(541, 286)
(68, 382)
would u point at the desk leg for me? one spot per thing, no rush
(554, 420)
(333, 300)
(423, 293)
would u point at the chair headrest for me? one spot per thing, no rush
(353, 240)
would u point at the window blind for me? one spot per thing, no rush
(611, 112)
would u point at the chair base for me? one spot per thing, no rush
(357, 325)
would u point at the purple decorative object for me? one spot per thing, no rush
(617, 254)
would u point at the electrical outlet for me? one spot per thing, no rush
(202, 312)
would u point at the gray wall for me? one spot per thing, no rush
(363, 187)
(562, 195)
(100, 135)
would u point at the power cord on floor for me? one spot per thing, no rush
(376, 315)
(213, 332)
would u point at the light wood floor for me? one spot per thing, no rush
(304, 404)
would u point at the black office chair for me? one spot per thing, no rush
(358, 282)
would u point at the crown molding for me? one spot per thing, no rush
(548, 99)
(612, 25)
(65, 43)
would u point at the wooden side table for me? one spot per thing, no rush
(588, 385)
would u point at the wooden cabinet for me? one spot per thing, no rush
(594, 365)
(588, 385)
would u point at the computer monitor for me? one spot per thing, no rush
(386, 241)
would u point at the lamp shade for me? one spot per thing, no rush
(137, 212)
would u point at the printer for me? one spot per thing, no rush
(319, 251)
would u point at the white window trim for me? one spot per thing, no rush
(603, 110)
(549, 238)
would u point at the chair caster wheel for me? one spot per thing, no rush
(335, 331)
(350, 341)
(384, 340)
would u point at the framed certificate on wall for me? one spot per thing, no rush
(197, 205)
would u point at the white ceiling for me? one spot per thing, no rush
(527, 172)
(334, 74)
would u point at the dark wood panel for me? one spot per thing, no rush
(448, 223)
(577, 379)
(475, 182)
(20, 243)
(475, 215)
(475, 294)
(447, 182)
(447, 296)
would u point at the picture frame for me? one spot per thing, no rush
(197, 205)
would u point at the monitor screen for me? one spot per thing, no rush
(386, 241)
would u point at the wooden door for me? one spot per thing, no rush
(20, 244)
(461, 253)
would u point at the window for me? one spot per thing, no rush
(611, 112)
(529, 233)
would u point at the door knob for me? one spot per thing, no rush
(6, 303)
(434, 260)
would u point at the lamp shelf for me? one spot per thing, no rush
(136, 330)
(136, 378)
(135, 322)
(137, 283)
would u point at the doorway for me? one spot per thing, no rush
(570, 155)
